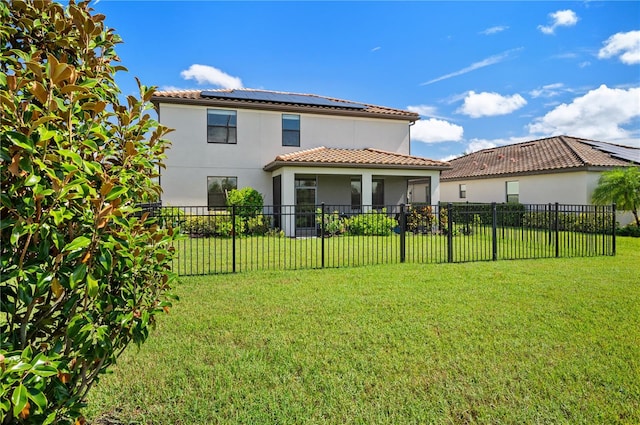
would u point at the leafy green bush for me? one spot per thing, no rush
(83, 274)
(629, 230)
(509, 214)
(333, 223)
(570, 221)
(443, 220)
(217, 223)
(372, 223)
(248, 201)
(420, 219)
(170, 216)
(257, 225)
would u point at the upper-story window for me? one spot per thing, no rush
(290, 130)
(221, 126)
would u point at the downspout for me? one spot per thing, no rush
(410, 125)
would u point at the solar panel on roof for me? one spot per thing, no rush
(295, 99)
(617, 151)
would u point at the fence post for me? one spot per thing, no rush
(403, 227)
(449, 232)
(613, 229)
(548, 218)
(494, 231)
(322, 230)
(233, 240)
(557, 227)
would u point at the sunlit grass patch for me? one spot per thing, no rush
(536, 341)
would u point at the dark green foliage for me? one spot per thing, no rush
(420, 219)
(570, 221)
(83, 271)
(248, 201)
(509, 214)
(218, 223)
(620, 186)
(632, 230)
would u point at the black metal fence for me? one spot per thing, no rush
(236, 239)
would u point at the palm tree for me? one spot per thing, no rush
(622, 186)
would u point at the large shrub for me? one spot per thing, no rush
(420, 219)
(371, 223)
(217, 223)
(248, 201)
(82, 273)
(331, 222)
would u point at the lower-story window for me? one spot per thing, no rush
(356, 193)
(377, 197)
(513, 191)
(463, 191)
(218, 188)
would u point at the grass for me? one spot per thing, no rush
(215, 255)
(536, 341)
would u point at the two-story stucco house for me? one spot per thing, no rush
(295, 149)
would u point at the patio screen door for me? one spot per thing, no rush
(305, 206)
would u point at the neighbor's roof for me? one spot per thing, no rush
(360, 158)
(553, 154)
(280, 101)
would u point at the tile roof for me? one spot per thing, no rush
(538, 156)
(195, 97)
(361, 158)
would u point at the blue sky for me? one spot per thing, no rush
(480, 74)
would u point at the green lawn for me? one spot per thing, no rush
(531, 341)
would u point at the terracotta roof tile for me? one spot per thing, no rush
(195, 97)
(550, 154)
(364, 158)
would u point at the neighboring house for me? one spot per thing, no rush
(295, 149)
(560, 169)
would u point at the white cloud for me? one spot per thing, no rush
(625, 45)
(548, 90)
(491, 60)
(494, 30)
(479, 144)
(426, 111)
(204, 74)
(423, 110)
(478, 105)
(449, 158)
(584, 64)
(561, 18)
(436, 131)
(170, 88)
(600, 114)
(375, 49)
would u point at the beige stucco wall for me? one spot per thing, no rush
(259, 140)
(565, 188)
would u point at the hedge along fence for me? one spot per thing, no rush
(579, 218)
(231, 239)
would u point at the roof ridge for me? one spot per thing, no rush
(404, 155)
(197, 94)
(565, 139)
(286, 156)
